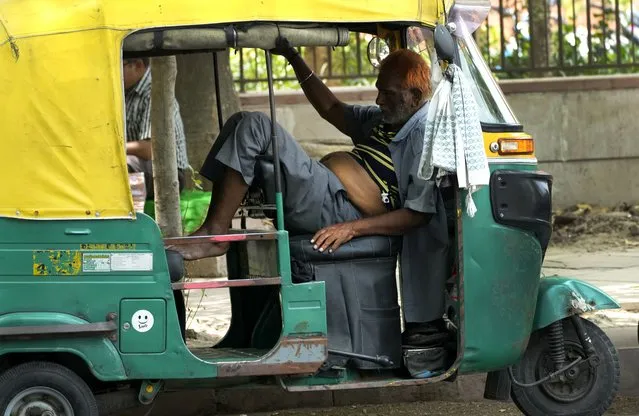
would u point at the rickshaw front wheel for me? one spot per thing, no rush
(45, 389)
(588, 388)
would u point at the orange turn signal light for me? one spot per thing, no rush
(516, 146)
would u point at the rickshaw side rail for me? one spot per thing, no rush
(292, 355)
(49, 331)
(234, 235)
(213, 284)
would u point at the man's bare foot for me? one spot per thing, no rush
(202, 250)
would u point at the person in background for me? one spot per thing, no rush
(137, 86)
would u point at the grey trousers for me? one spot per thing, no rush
(314, 197)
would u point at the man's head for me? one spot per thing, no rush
(403, 85)
(134, 70)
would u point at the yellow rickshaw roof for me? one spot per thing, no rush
(44, 17)
(62, 124)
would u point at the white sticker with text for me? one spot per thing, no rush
(131, 262)
(142, 320)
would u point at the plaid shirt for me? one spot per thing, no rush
(138, 118)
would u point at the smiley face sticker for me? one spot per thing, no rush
(142, 320)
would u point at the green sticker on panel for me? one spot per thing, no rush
(56, 262)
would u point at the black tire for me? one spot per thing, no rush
(589, 393)
(51, 383)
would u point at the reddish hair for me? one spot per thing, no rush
(410, 67)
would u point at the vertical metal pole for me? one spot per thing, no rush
(218, 98)
(588, 22)
(516, 14)
(242, 82)
(531, 34)
(502, 37)
(359, 55)
(279, 202)
(632, 32)
(561, 33)
(618, 30)
(574, 32)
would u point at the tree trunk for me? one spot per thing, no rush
(195, 92)
(538, 10)
(165, 179)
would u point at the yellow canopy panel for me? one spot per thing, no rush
(62, 128)
(36, 17)
(62, 123)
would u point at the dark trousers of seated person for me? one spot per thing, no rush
(136, 164)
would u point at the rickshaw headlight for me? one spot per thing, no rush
(516, 146)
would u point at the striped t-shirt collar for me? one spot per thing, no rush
(143, 83)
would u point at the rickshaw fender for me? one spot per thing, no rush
(98, 352)
(560, 297)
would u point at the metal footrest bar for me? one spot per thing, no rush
(233, 235)
(216, 284)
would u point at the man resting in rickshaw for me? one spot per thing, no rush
(372, 190)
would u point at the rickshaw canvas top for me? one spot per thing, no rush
(43, 17)
(62, 127)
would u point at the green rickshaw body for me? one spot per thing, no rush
(73, 278)
(502, 266)
(505, 297)
(102, 290)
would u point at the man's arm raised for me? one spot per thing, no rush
(319, 95)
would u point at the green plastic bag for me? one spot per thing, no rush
(194, 205)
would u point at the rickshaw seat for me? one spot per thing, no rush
(362, 307)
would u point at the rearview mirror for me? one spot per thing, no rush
(444, 44)
(378, 49)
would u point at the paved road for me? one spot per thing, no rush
(622, 406)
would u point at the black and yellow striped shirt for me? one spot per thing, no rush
(374, 156)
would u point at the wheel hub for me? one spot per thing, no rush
(39, 401)
(36, 408)
(573, 373)
(571, 385)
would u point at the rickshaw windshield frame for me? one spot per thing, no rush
(494, 110)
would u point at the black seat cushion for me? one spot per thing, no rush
(358, 248)
(175, 262)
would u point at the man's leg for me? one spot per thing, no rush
(226, 198)
(310, 203)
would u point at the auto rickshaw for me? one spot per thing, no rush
(91, 301)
